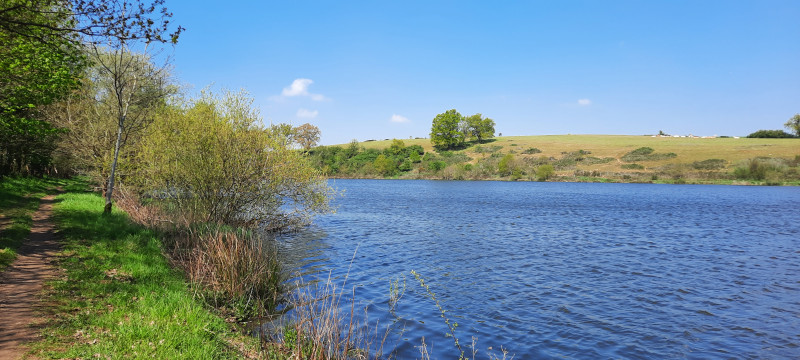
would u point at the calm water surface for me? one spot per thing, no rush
(569, 270)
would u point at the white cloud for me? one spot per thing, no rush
(299, 87)
(307, 114)
(584, 102)
(399, 119)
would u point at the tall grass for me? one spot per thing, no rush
(234, 271)
(230, 269)
(323, 325)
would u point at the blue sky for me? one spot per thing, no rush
(375, 70)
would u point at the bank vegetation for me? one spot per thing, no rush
(573, 158)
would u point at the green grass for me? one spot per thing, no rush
(19, 199)
(119, 297)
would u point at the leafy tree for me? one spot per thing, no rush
(42, 53)
(480, 127)
(307, 135)
(446, 132)
(212, 158)
(794, 124)
(32, 74)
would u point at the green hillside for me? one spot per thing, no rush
(574, 158)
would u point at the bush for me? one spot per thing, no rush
(545, 172)
(642, 151)
(633, 167)
(414, 157)
(454, 158)
(771, 134)
(414, 149)
(405, 165)
(759, 168)
(530, 151)
(710, 164)
(436, 165)
(645, 154)
(384, 165)
(213, 158)
(506, 165)
(365, 157)
(489, 149)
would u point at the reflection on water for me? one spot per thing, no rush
(569, 270)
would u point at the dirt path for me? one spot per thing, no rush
(21, 283)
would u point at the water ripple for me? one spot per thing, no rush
(552, 270)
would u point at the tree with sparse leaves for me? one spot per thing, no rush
(132, 87)
(112, 28)
(794, 124)
(49, 21)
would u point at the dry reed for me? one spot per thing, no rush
(231, 270)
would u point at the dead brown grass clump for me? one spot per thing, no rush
(236, 271)
(230, 269)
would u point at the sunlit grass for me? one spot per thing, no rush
(119, 297)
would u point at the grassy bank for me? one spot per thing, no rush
(19, 199)
(119, 297)
(595, 158)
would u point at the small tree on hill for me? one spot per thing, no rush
(446, 130)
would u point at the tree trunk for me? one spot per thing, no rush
(110, 187)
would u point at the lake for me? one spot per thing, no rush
(575, 270)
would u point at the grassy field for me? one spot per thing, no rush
(735, 152)
(687, 149)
